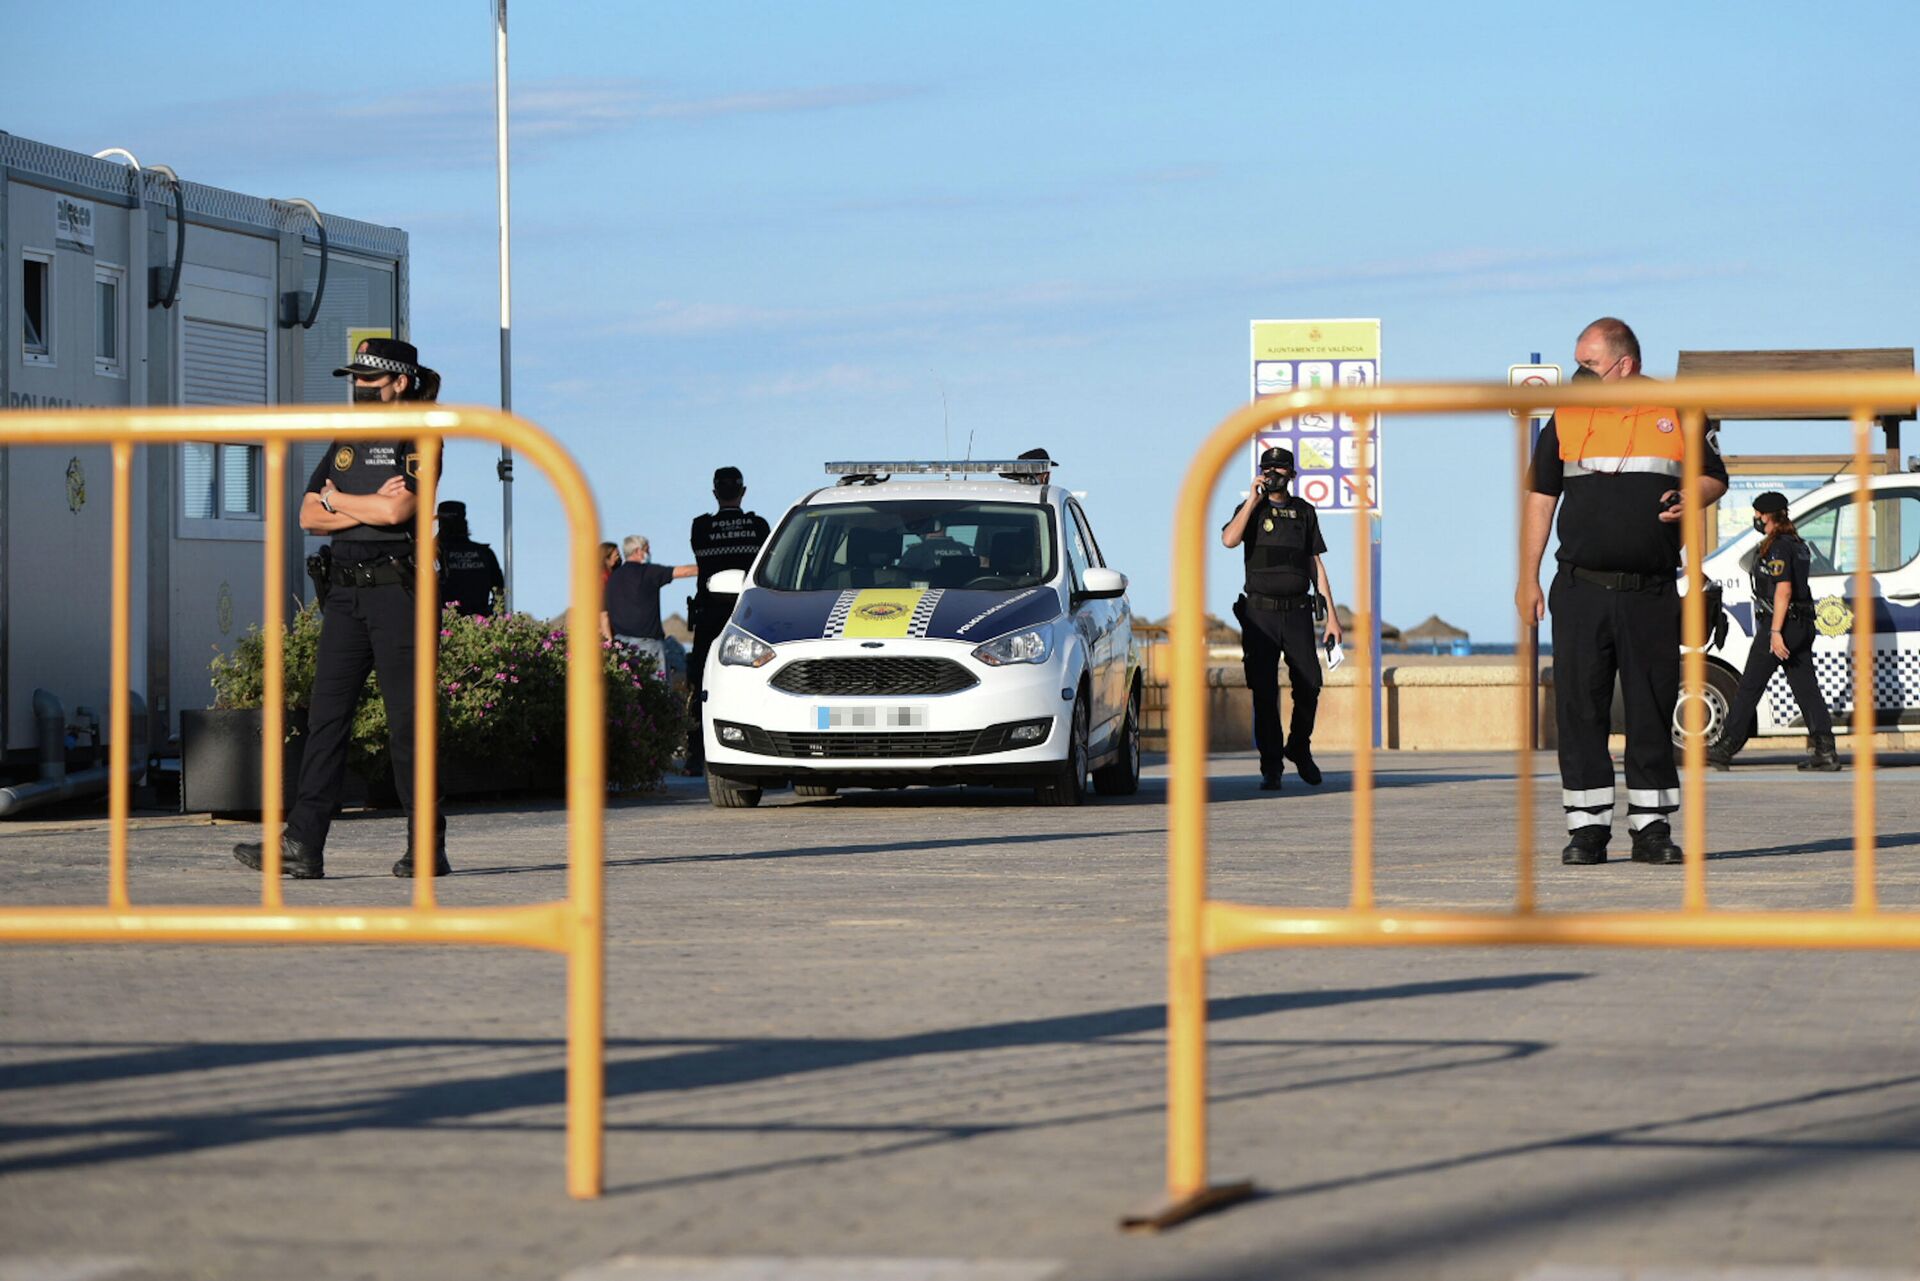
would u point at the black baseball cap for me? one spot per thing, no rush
(375, 356)
(1276, 458)
(452, 507)
(1771, 501)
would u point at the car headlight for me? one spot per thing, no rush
(743, 649)
(1035, 645)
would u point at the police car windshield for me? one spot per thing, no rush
(927, 543)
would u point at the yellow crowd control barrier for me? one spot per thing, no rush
(1201, 928)
(573, 927)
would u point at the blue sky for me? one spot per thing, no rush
(769, 235)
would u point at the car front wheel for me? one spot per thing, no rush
(1069, 785)
(729, 795)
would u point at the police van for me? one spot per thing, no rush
(926, 622)
(1827, 519)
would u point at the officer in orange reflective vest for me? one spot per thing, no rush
(1615, 475)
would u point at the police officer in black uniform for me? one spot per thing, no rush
(729, 538)
(1281, 537)
(470, 577)
(362, 494)
(1783, 616)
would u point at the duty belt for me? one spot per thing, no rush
(1620, 582)
(385, 572)
(1257, 601)
(1801, 609)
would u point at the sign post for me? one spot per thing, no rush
(1533, 374)
(1299, 355)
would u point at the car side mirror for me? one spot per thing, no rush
(727, 582)
(1102, 584)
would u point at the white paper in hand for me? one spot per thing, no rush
(1335, 654)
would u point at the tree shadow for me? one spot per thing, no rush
(1831, 845)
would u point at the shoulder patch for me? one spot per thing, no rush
(343, 458)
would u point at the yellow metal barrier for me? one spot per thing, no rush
(1200, 928)
(573, 927)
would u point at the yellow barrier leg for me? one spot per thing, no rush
(1866, 897)
(273, 694)
(1693, 642)
(586, 872)
(1528, 669)
(119, 719)
(425, 837)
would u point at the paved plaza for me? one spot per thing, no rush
(920, 1035)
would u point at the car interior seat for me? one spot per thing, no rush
(1013, 554)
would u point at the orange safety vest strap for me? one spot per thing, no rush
(1639, 438)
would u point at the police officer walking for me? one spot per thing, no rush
(470, 577)
(727, 538)
(1280, 535)
(1783, 601)
(362, 494)
(1615, 476)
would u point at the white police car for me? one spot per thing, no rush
(926, 622)
(1826, 518)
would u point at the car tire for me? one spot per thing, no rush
(729, 795)
(1721, 685)
(1068, 786)
(813, 791)
(1122, 778)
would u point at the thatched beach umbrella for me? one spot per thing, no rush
(1436, 633)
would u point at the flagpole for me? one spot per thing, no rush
(506, 284)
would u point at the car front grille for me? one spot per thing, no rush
(888, 676)
(887, 745)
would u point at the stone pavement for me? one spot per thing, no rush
(918, 1035)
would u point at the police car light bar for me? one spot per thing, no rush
(922, 467)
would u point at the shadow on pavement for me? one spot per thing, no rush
(697, 1065)
(1792, 1152)
(1832, 845)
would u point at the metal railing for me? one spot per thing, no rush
(573, 927)
(1201, 928)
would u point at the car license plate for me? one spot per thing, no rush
(870, 717)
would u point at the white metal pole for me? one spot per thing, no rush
(506, 284)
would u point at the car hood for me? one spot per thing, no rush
(892, 613)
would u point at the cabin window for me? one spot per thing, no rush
(109, 320)
(36, 307)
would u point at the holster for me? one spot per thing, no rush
(320, 570)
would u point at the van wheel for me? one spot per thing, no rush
(813, 791)
(1122, 778)
(1069, 785)
(1718, 693)
(729, 795)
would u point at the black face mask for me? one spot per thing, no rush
(365, 395)
(1582, 374)
(1277, 482)
(1759, 525)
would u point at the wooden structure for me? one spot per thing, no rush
(1845, 360)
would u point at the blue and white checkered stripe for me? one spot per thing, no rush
(923, 613)
(837, 617)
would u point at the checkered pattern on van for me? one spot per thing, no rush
(1896, 684)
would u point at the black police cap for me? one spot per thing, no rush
(1771, 501)
(375, 356)
(728, 479)
(452, 507)
(1276, 457)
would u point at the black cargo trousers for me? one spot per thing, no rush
(1272, 630)
(1797, 633)
(362, 630)
(1627, 626)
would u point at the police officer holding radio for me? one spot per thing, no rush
(362, 494)
(1783, 614)
(1280, 535)
(1614, 475)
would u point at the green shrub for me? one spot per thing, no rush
(503, 698)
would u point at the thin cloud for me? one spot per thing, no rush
(451, 126)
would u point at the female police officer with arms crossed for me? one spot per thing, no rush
(1782, 600)
(362, 494)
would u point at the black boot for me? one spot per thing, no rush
(1654, 844)
(1302, 757)
(296, 859)
(1270, 780)
(1587, 845)
(404, 868)
(1719, 757)
(1821, 756)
